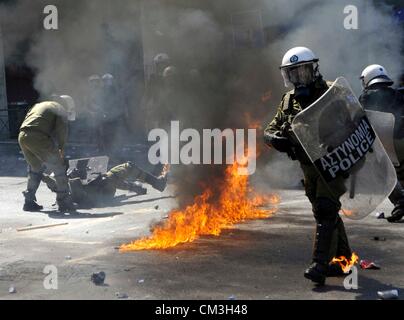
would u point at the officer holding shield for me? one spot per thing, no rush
(379, 95)
(300, 70)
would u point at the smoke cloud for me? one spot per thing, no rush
(226, 54)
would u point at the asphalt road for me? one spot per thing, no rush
(262, 259)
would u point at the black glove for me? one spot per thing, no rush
(281, 144)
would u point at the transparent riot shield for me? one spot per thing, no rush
(87, 169)
(383, 123)
(340, 141)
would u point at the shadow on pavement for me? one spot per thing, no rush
(119, 203)
(81, 215)
(367, 290)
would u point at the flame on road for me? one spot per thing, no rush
(209, 215)
(346, 263)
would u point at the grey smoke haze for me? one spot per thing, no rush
(94, 37)
(342, 52)
(104, 36)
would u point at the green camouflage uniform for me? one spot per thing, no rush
(42, 139)
(104, 187)
(325, 203)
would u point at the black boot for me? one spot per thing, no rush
(65, 203)
(397, 214)
(30, 204)
(34, 180)
(318, 271)
(397, 198)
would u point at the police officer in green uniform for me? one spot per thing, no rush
(300, 69)
(103, 189)
(154, 97)
(42, 139)
(379, 95)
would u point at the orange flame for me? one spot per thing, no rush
(348, 213)
(207, 216)
(345, 263)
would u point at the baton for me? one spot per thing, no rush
(352, 186)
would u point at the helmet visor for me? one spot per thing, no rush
(300, 75)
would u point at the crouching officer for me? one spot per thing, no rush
(42, 139)
(103, 188)
(379, 95)
(300, 69)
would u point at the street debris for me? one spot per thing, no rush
(141, 281)
(45, 226)
(98, 278)
(12, 290)
(388, 295)
(380, 215)
(379, 238)
(121, 295)
(232, 297)
(369, 265)
(156, 207)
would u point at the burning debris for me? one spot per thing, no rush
(120, 295)
(345, 263)
(209, 215)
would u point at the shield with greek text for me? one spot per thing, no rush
(340, 141)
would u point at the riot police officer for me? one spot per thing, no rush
(300, 70)
(379, 95)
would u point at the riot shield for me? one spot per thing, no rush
(383, 123)
(87, 169)
(340, 141)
